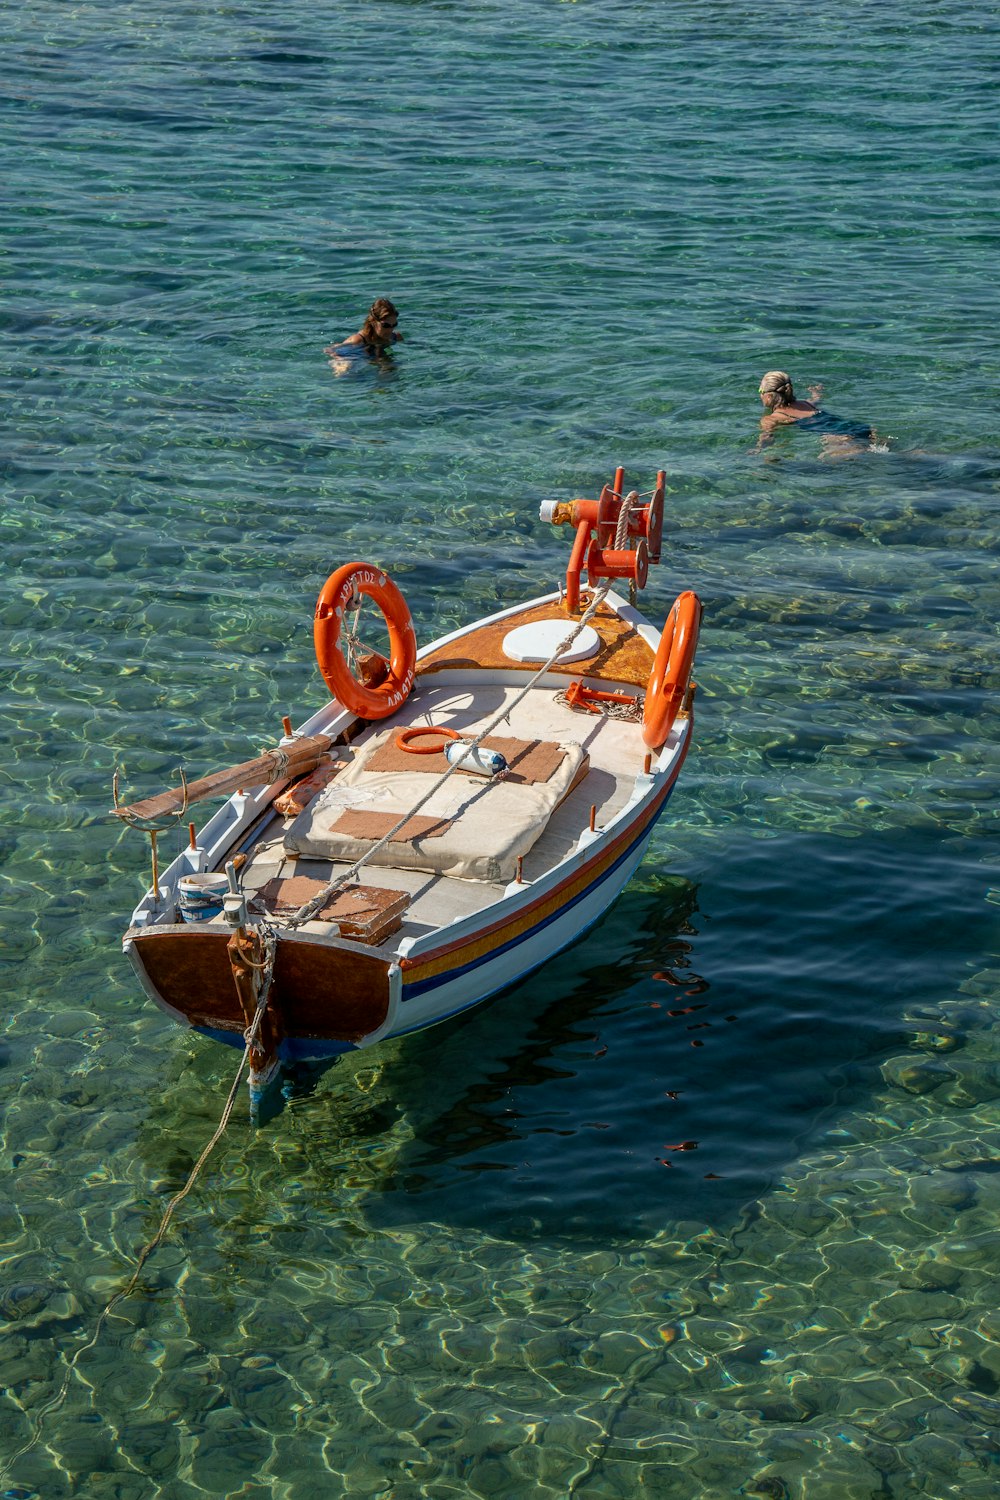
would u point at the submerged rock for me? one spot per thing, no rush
(943, 1190)
(22, 1301)
(807, 1217)
(771, 1485)
(917, 1075)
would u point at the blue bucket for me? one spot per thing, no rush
(200, 897)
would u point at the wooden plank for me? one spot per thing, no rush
(284, 761)
(366, 913)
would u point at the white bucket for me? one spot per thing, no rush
(199, 897)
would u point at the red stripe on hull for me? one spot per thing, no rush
(507, 929)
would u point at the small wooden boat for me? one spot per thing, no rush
(448, 821)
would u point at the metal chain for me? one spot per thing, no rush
(630, 713)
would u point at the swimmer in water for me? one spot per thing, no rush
(840, 436)
(375, 336)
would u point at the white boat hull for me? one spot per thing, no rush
(332, 995)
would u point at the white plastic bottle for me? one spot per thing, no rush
(480, 760)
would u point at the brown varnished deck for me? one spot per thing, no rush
(624, 655)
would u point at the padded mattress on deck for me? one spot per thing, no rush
(470, 829)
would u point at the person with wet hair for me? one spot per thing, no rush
(839, 435)
(776, 393)
(375, 336)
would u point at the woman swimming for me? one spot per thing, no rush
(840, 435)
(376, 334)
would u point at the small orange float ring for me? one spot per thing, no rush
(405, 737)
(367, 702)
(671, 672)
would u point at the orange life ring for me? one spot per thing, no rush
(671, 672)
(405, 738)
(380, 701)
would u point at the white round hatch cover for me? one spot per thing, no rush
(536, 642)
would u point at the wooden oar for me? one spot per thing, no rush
(282, 763)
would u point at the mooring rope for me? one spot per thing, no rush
(308, 910)
(266, 968)
(250, 1037)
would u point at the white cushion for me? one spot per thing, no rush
(491, 822)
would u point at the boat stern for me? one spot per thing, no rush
(326, 997)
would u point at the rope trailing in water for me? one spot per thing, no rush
(318, 901)
(250, 1037)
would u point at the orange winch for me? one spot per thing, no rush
(597, 546)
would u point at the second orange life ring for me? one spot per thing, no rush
(671, 672)
(405, 738)
(368, 702)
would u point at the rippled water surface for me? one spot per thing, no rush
(709, 1206)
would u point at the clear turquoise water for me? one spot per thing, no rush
(473, 1263)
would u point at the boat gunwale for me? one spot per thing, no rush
(598, 843)
(222, 838)
(415, 952)
(577, 865)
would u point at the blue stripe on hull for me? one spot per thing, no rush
(421, 986)
(319, 1049)
(292, 1049)
(505, 984)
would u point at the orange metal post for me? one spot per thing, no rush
(575, 567)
